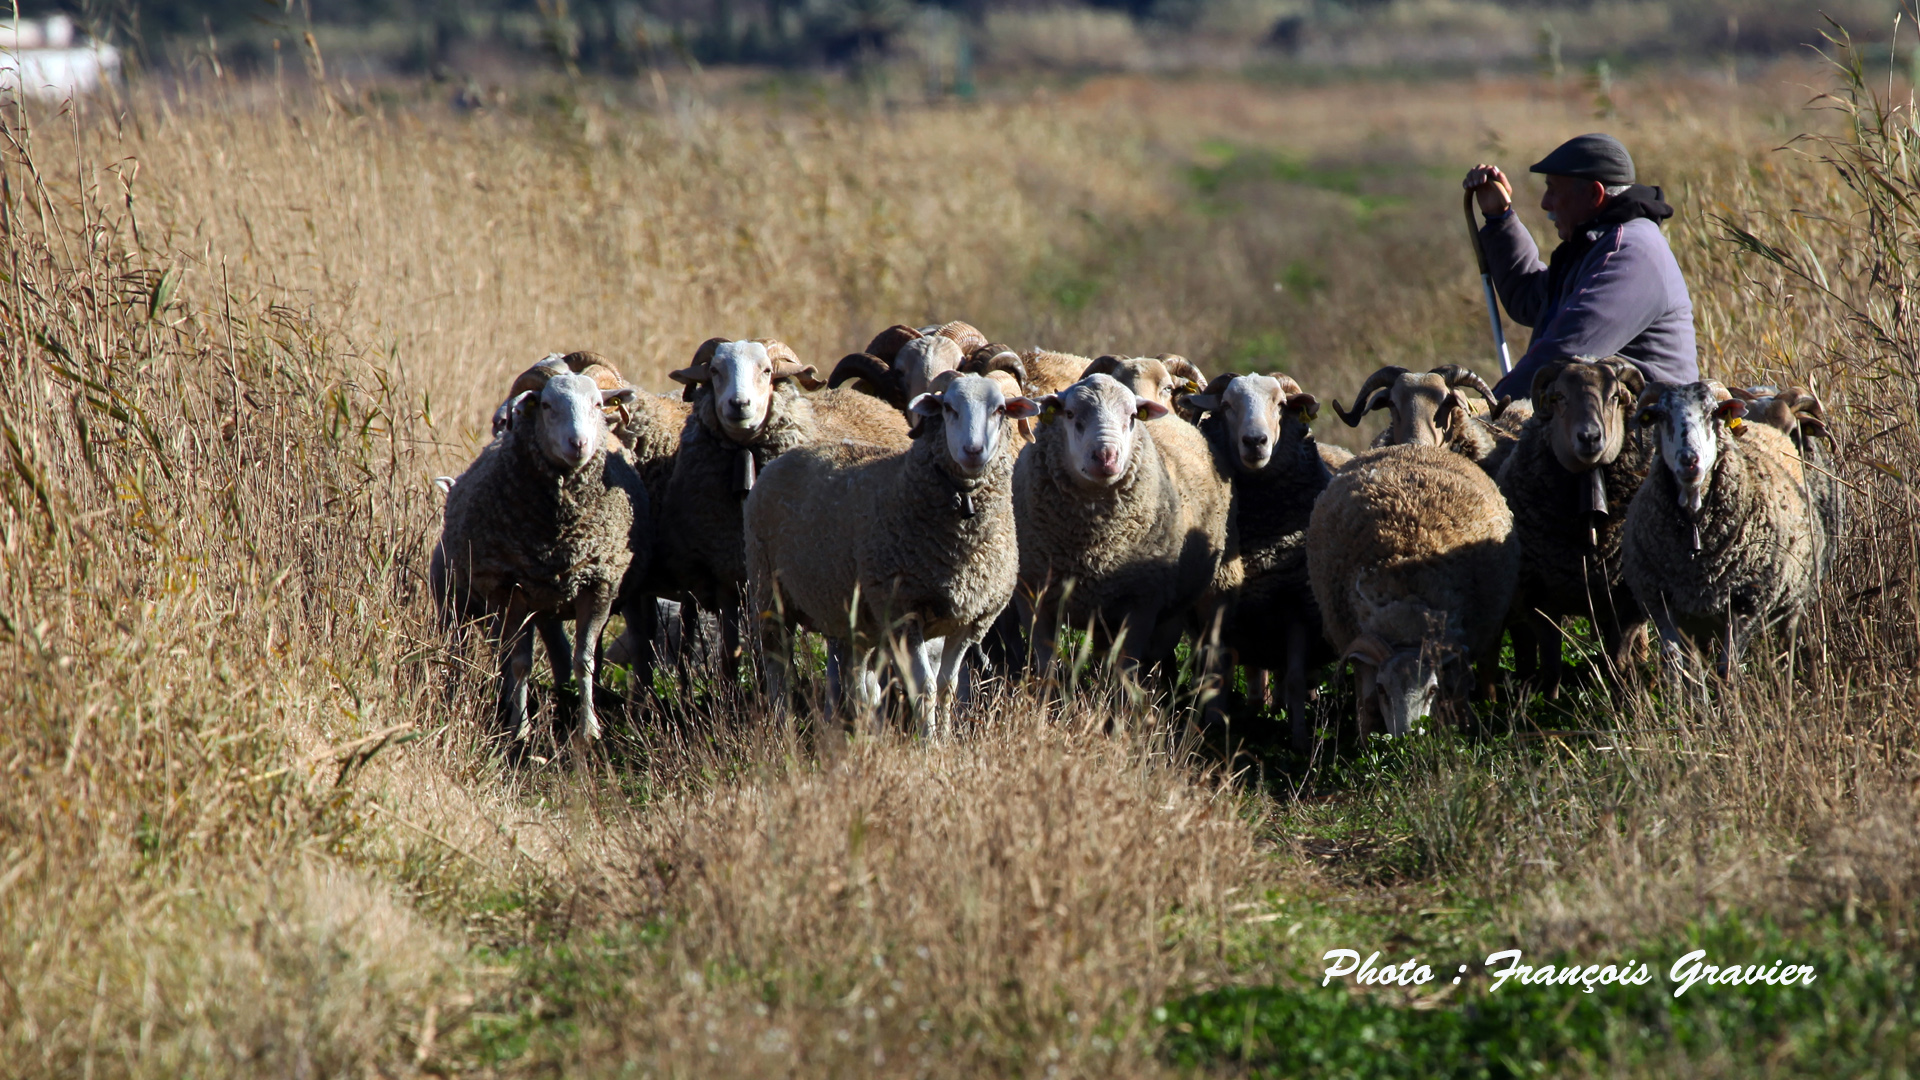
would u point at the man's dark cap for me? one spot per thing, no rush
(1589, 157)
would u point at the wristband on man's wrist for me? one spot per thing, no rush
(1502, 215)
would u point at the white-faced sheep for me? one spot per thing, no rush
(1569, 479)
(541, 528)
(1412, 558)
(1723, 538)
(1430, 410)
(871, 547)
(647, 428)
(1124, 522)
(1259, 423)
(748, 409)
(901, 363)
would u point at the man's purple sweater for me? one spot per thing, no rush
(1625, 297)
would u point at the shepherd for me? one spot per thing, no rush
(1612, 287)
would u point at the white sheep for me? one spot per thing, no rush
(1125, 524)
(868, 545)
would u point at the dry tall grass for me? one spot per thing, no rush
(244, 831)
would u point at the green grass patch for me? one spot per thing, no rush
(1857, 1019)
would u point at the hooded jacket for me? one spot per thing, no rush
(1614, 289)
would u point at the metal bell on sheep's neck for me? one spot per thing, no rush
(745, 471)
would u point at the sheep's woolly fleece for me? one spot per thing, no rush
(1759, 547)
(836, 515)
(514, 521)
(700, 532)
(1419, 524)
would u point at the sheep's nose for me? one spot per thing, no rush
(1253, 442)
(1689, 466)
(1106, 460)
(974, 450)
(738, 405)
(1589, 439)
(578, 445)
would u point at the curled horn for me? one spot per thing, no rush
(990, 358)
(876, 377)
(1182, 368)
(1629, 374)
(1368, 648)
(1105, 365)
(1808, 411)
(698, 372)
(963, 335)
(1649, 396)
(787, 365)
(535, 378)
(1458, 376)
(1366, 401)
(886, 344)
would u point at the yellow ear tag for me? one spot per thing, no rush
(1736, 424)
(1141, 413)
(1048, 412)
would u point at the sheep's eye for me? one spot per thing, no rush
(1556, 398)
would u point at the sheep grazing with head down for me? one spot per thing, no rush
(870, 546)
(901, 363)
(1569, 480)
(748, 408)
(1412, 558)
(1723, 538)
(1430, 410)
(1259, 423)
(543, 527)
(1118, 533)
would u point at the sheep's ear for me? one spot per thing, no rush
(620, 398)
(1647, 417)
(1148, 409)
(1049, 408)
(1021, 408)
(1306, 405)
(925, 405)
(1730, 409)
(517, 408)
(1541, 380)
(1201, 402)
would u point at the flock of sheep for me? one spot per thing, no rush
(960, 502)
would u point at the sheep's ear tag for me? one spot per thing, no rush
(1049, 412)
(744, 469)
(1142, 414)
(1737, 426)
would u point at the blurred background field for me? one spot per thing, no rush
(256, 297)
